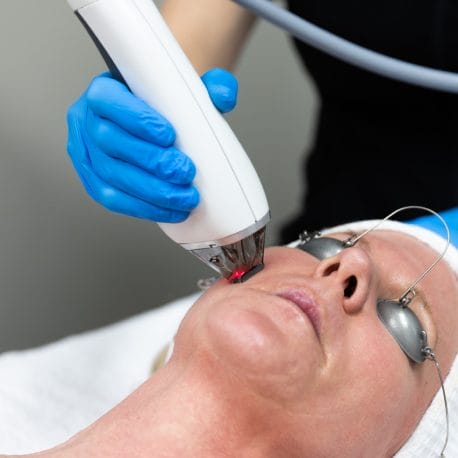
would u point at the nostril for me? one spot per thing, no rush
(350, 286)
(330, 269)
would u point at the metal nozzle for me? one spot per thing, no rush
(235, 260)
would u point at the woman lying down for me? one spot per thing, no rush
(297, 362)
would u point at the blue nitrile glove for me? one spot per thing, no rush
(432, 223)
(123, 149)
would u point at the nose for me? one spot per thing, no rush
(351, 272)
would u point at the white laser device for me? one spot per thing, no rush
(227, 230)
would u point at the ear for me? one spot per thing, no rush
(162, 357)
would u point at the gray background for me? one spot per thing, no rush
(66, 264)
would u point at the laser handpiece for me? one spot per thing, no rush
(227, 230)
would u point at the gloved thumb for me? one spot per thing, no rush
(222, 87)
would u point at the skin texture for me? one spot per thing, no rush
(211, 32)
(252, 375)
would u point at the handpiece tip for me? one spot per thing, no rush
(236, 261)
(241, 277)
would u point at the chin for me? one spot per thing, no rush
(260, 338)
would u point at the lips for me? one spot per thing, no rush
(305, 303)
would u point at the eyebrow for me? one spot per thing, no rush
(424, 304)
(419, 293)
(365, 244)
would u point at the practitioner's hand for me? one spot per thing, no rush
(123, 150)
(432, 223)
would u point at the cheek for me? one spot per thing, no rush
(378, 375)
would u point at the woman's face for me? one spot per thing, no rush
(302, 338)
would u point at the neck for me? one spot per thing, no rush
(183, 410)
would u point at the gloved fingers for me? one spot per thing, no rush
(222, 87)
(119, 202)
(111, 99)
(169, 164)
(76, 144)
(142, 185)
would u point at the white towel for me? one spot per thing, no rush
(50, 393)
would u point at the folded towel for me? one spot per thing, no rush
(50, 393)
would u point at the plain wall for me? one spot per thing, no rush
(66, 264)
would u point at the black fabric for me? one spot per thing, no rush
(379, 144)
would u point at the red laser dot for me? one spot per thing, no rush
(237, 275)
